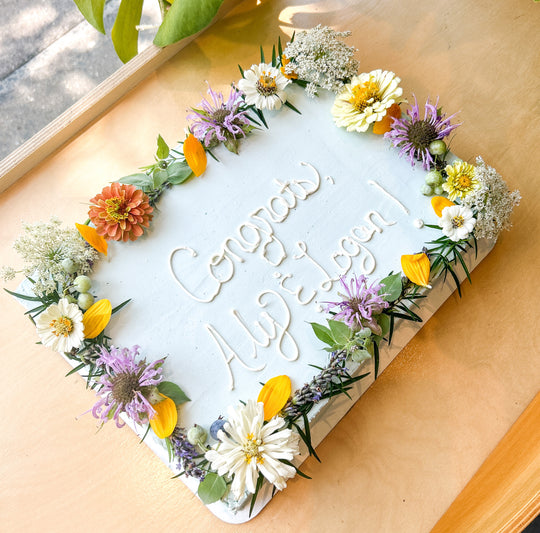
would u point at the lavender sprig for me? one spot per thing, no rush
(186, 454)
(330, 377)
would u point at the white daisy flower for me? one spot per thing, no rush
(60, 326)
(457, 222)
(249, 446)
(264, 86)
(366, 99)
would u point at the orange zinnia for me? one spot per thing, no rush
(120, 212)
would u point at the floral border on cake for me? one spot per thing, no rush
(259, 440)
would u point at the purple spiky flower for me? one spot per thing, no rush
(127, 386)
(218, 120)
(413, 134)
(360, 305)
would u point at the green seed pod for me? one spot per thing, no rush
(85, 300)
(434, 178)
(437, 147)
(82, 283)
(426, 190)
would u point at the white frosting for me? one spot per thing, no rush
(239, 261)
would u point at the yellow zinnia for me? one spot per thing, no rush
(461, 180)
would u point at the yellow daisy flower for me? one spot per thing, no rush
(461, 180)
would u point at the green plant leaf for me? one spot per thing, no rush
(392, 287)
(173, 391)
(179, 172)
(92, 11)
(212, 487)
(124, 33)
(162, 148)
(140, 180)
(184, 18)
(340, 331)
(160, 176)
(384, 321)
(323, 333)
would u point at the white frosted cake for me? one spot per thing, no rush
(239, 261)
(235, 278)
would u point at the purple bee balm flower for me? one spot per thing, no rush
(219, 121)
(127, 386)
(360, 305)
(413, 135)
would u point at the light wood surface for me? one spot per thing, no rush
(411, 444)
(504, 495)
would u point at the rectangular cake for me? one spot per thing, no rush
(292, 254)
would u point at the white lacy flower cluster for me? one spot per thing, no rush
(320, 58)
(493, 202)
(45, 248)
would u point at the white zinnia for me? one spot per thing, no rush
(60, 326)
(457, 222)
(264, 86)
(366, 99)
(252, 447)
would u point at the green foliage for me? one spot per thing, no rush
(392, 287)
(184, 18)
(181, 19)
(124, 34)
(92, 11)
(212, 488)
(173, 391)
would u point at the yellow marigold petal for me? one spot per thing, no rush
(416, 267)
(96, 318)
(439, 203)
(385, 124)
(195, 154)
(274, 395)
(165, 419)
(90, 235)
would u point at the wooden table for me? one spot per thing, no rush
(411, 444)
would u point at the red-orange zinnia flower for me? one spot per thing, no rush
(120, 212)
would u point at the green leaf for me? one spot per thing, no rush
(23, 296)
(262, 55)
(92, 11)
(160, 176)
(179, 172)
(173, 391)
(384, 321)
(185, 18)
(323, 333)
(162, 148)
(340, 331)
(392, 287)
(212, 487)
(140, 180)
(118, 307)
(124, 33)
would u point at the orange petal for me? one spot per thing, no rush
(90, 235)
(385, 124)
(439, 203)
(416, 267)
(165, 419)
(274, 395)
(96, 318)
(195, 154)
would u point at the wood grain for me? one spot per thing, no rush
(504, 495)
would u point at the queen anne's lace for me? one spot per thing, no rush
(43, 247)
(492, 201)
(319, 57)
